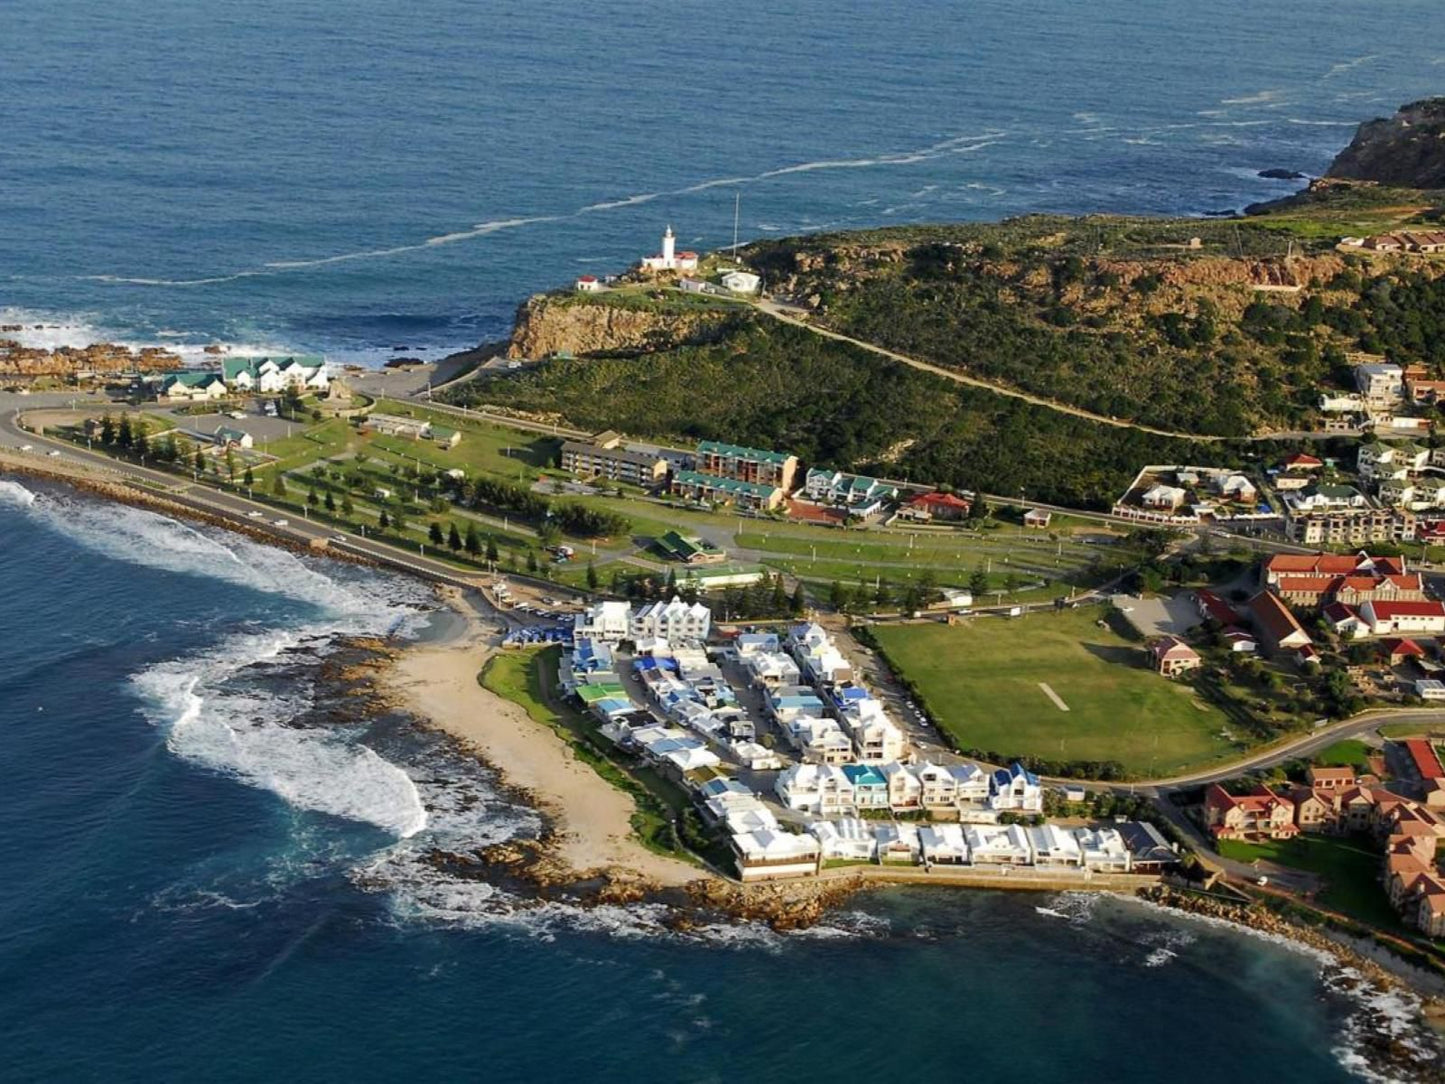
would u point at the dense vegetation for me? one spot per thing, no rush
(775, 386)
(1122, 317)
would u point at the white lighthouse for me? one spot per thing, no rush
(669, 259)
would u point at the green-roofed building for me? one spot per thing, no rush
(192, 385)
(445, 435)
(713, 489)
(304, 372)
(747, 464)
(688, 549)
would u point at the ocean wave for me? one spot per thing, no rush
(1349, 65)
(50, 331)
(16, 494)
(246, 734)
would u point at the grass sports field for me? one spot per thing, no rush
(988, 684)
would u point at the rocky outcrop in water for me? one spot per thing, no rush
(103, 358)
(1403, 151)
(550, 324)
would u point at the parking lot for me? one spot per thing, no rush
(1165, 615)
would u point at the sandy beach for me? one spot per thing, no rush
(591, 818)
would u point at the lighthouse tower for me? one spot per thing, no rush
(669, 259)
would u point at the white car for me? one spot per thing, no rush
(338, 538)
(280, 523)
(254, 515)
(53, 454)
(27, 447)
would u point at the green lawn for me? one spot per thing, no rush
(1349, 870)
(981, 682)
(1343, 754)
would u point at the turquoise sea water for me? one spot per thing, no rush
(200, 877)
(353, 176)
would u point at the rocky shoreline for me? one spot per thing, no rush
(1398, 1028)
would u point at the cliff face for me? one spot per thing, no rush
(552, 325)
(1404, 151)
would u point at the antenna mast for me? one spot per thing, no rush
(737, 206)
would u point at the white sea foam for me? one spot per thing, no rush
(247, 735)
(50, 331)
(1260, 98)
(15, 493)
(1349, 65)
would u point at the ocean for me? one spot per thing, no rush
(356, 176)
(211, 867)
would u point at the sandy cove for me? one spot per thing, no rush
(591, 819)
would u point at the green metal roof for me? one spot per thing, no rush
(737, 451)
(233, 367)
(730, 486)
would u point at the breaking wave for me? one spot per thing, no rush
(15, 493)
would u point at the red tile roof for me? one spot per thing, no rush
(1273, 617)
(1216, 608)
(1300, 459)
(1403, 648)
(1336, 612)
(1386, 611)
(939, 500)
(1423, 755)
(1332, 564)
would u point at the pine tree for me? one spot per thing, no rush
(454, 539)
(492, 554)
(592, 578)
(836, 597)
(347, 508)
(473, 544)
(125, 436)
(278, 483)
(142, 439)
(330, 502)
(434, 533)
(780, 596)
(799, 601)
(978, 582)
(231, 462)
(199, 461)
(531, 560)
(107, 429)
(383, 521)
(311, 498)
(249, 477)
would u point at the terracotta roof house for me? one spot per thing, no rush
(1213, 608)
(1171, 656)
(1261, 813)
(1301, 461)
(1340, 779)
(1330, 564)
(947, 506)
(1399, 650)
(1277, 627)
(1343, 619)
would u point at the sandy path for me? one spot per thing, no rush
(438, 682)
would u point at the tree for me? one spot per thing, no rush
(473, 542)
(330, 501)
(779, 599)
(107, 430)
(125, 436)
(311, 498)
(398, 521)
(383, 521)
(531, 560)
(592, 578)
(199, 461)
(492, 554)
(347, 508)
(231, 463)
(278, 482)
(799, 601)
(250, 478)
(142, 439)
(454, 539)
(978, 582)
(434, 533)
(836, 597)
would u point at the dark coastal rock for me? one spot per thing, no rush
(1283, 175)
(1404, 151)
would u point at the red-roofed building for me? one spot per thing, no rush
(1387, 617)
(1400, 650)
(1302, 462)
(1311, 589)
(1329, 564)
(928, 506)
(1423, 759)
(1277, 627)
(1213, 608)
(1343, 620)
(1331, 778)
(588, 284)
(1171, 656)
(1260, 814)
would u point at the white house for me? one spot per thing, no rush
(608, 621)
(815, 788)
(193, 386)
(905, 790)
(1160, 496)
(771, 669)
(768, 854)
(848, 838)
(1016, 789)
(943, 844)
(669, 259)
(898, 842)
(676, 620)
(1102, 848)
(267, 375)
(1052, 846)
(741, 282)
(1381, 384)
(820, 741)
(226, 437)
(971, 787)
(588, 284)
(997, 844)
